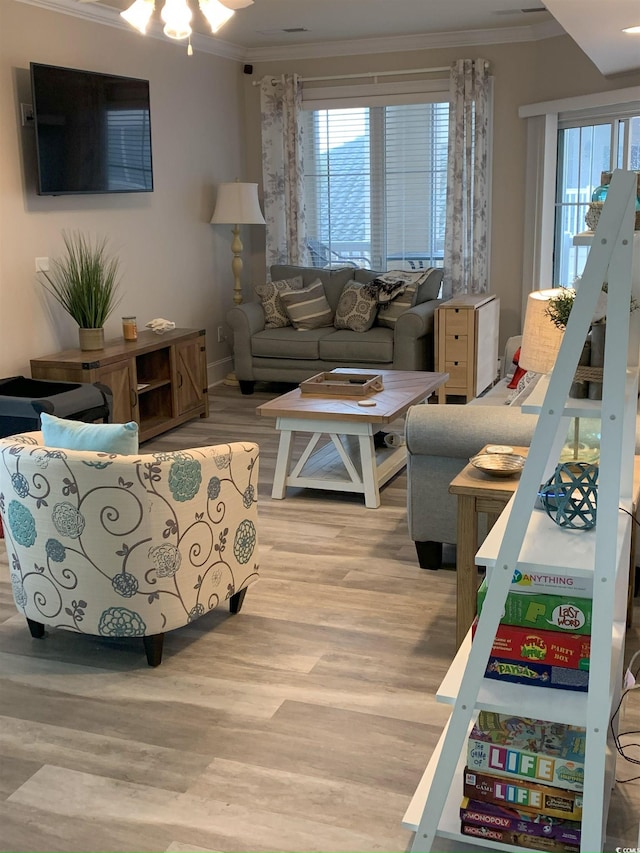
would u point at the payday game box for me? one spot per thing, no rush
(537, 674)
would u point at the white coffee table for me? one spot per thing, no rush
(349, 462)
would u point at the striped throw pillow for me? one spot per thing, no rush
(308, 308)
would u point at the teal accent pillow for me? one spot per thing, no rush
(77, 435)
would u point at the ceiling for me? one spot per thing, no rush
(596, 26)
(290, 29)
(265, 23)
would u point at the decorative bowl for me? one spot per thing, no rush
(499, 464)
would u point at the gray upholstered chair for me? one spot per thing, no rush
(440, 441)
(127, 546)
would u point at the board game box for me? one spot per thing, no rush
(508, 818)
(523, 748)
(524, 795)
(521, 839)
(537, 674)
(538, 646)
(550, 584)
(551, 612)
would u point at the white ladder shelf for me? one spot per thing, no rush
(526, 537)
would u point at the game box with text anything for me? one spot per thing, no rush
(551, 584)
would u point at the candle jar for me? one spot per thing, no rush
(130, 328)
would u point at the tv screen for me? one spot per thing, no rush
(93, 133)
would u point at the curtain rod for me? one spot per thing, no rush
(439, 68)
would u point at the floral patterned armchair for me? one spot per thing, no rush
(127, 546)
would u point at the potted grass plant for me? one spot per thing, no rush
(85, 282)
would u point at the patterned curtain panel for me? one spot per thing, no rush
(282, 170)
(465, 245)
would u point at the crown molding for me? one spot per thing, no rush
(111, 18)
(385, 44)
(397, 44)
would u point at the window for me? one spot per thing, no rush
(128, 149)
(585, 150)
(375, 185)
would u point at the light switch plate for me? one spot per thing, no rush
(26, 114)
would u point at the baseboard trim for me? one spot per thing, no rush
(217, 370)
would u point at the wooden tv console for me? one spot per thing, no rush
(159, 381)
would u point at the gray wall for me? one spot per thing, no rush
(174, 263)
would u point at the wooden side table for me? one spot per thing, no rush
(159, 381)
(466, 344)
(478, 492)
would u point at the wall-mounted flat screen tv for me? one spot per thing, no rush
(93, 132)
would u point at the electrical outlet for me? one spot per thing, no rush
(42, 264)
(221, 335)
(26, 113)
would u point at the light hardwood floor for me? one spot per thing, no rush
(302, 724)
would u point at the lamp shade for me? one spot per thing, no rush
(215, 13)
(541, 338)
(237, 204)
(138, 14)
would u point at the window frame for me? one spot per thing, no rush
(543, 121)
(618, 127)
(375, 95)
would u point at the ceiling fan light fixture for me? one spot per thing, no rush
(215, 13)
(177, 31)
(176, 14)
(139, 14)
(237, 4)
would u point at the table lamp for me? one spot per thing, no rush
(541, 340)
(237, 204)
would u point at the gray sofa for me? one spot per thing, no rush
(288, 355)
(440, 440)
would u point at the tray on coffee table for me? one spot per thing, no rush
(337, 383)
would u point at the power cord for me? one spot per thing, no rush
(632, 516)
(630, 681)
(631, 684)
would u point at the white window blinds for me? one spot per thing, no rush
(128, 149)
(375, 185)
